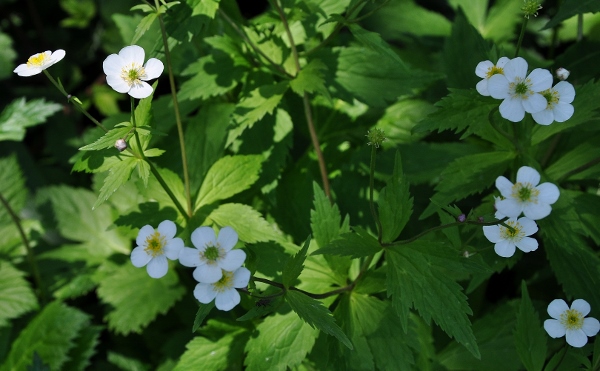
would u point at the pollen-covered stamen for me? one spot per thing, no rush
(525, 192)
(551, 96)
(521, 88)
(572, 319)
(494, 71)
(155, 243)
(133, 74)
(212, 254)
(516, 234)
(38, 60)
(224, 283)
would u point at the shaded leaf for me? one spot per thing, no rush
(530, 337)
(395, 203)
(19, 115)
(16, 293)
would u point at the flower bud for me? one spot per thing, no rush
(121, 145)
(562, 73)
(461, 218)
(530, 8)
(481, 219)
(376, 137)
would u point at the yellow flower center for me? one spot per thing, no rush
(133, 74)
(525, 192)
(494, 71)
(226, 282)
(155, 243)
(212, 254)
(551, 96)
(520, 88)
(571, 319)
(38, 60)
(516, 234)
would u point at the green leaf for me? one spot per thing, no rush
(374, 42)
(80, 12)
(411, 273)
(227, 177)
(19, 115)
(156, 192)
(502, 18)
(84, 349)
(136, 298)
(50, 334)
(12, 187)
(586, 206)
(530, 337)
(569, 8)
(16, 293)
(226, 353)
(7, 56)
(143, 26)
(282, 342)
(295, 265)
(401, 118)
(582, 154)
(117, 176)
(325, 219)
(258, 103)
(212, 75)
(108, 140)
(395, 203)
(203, 311)
(317, 315)
(310, 79)
(249, 224)
(356, 245)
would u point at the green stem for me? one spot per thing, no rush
(521, 35)
(502, 132)
(314, 296)
(74, 101)
(30, 257)
(579, 27)
(371, 187)
(186, 176)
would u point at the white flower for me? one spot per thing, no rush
(520, 92)
(559, 107)
(571, 322)
(224, 290)
(126, 73)
(506, 240)
(487, 69)
(212, 255)
(155, 246)
(39, 62)
(526, 195)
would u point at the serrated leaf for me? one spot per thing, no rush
(19, 115)
(117, 176)
(143, 26)
(249, 224)
(586, 206)
(108, 140)
(227, 177)
(282, 342)
(16, 293)
(137, 299)
(582, 154)
(569, 8)
(355, 245)
(530, 337)
(224, 354)
(395, 203)
(317, 315)
(373, 41)
(310, 79)
(84, 349)
(12, 187)
(263, 307)
(258, 103)
(325, 219)
(203, 311)
(50, 334)
(295, 265)
(412, 273)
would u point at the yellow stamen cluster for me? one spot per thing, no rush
(551, 96)
(572, 319)
(155, 244)
(133, 74)
(525, 192)
(521, 88)
(226, 282)
(494, 71)
(516, 233)
(38, 60)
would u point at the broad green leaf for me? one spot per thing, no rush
(16, 293)
(143, 26)
(473, 10)
(137, 299)
(282, 342)
(569, 8)
(310, 79)
(582, 154)
(203, 311)
(399, 120)
(317, 315)
(12, 187)
(411, 273)
(84, 349)
(258, 103)
(125, 363)
(586, 206)
(325, 219)
(7, 56)
(108, 140)
(156, 192)
(530, 337)
(19, 115)
(226, 353)
(395, 203)
(117, 176)
(356, 245)
(295, 265)
(263, 307)
(249, 224)
(374, 42)
(80, 12)
(212, 75)
(227, 177)
(51, 334)
(503, 17)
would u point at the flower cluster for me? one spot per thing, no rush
(571, 322)
(521, 92)
(219, 270)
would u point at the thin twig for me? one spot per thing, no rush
(371, 188)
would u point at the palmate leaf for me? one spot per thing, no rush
(19, 115)
(411, 273)
(395, 203)
(569, 8)
(282, 342)
(224, 354)
(136, 298)
(51, 334)
(249, 224)
(16, 293)
(530, 337)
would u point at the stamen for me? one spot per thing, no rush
(494, 71)
(38, 60)
(572, 319)
(133, 74)
(155, 243)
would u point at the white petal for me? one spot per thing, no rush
(576, 338)
(158, 266)
(544, 117)
(227, 238)
(509, 207)
(204, 293)
(505, 249)
(536, 211)
(233, 260)
(591, 326)
(167, 228)
(497, 86)
(502, 62)
(140, 90)
(143, 234)
(482, 68)
(554, 328)
(154, 68)
(541, 80)
(132, 54)
(581, 306)
(207, 273)
(566, 92)
(173, 248)
(535, 103)
(113, 64)
(57, 56)
(190, 257)
(529, 227)
(504, 186)
(549, 193)
(24, 70)
(516, 67)
(563, 111)
(527, 244)
(511, 109)
(227, 299)
(527, 174)
(492, 233)
(203, 236)
(556, 308)
(241, 277)
(482, 88)
(117, 83)
(139, 257)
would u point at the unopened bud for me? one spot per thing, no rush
(481, 219)
(467, 254)
(121, 145)
(461, 218)
(376, 137)
(530, 8)
(562, 74)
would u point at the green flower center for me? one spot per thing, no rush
(494, 71)
(212, 254)
(521, 88)
(551, 96)
(226, 282)
(525, 192)
(133, 74)
(155, 243)
(515, 235)
(571, 319)
(37, 60)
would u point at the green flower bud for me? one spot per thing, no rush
(376, 137)
(530, 8)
